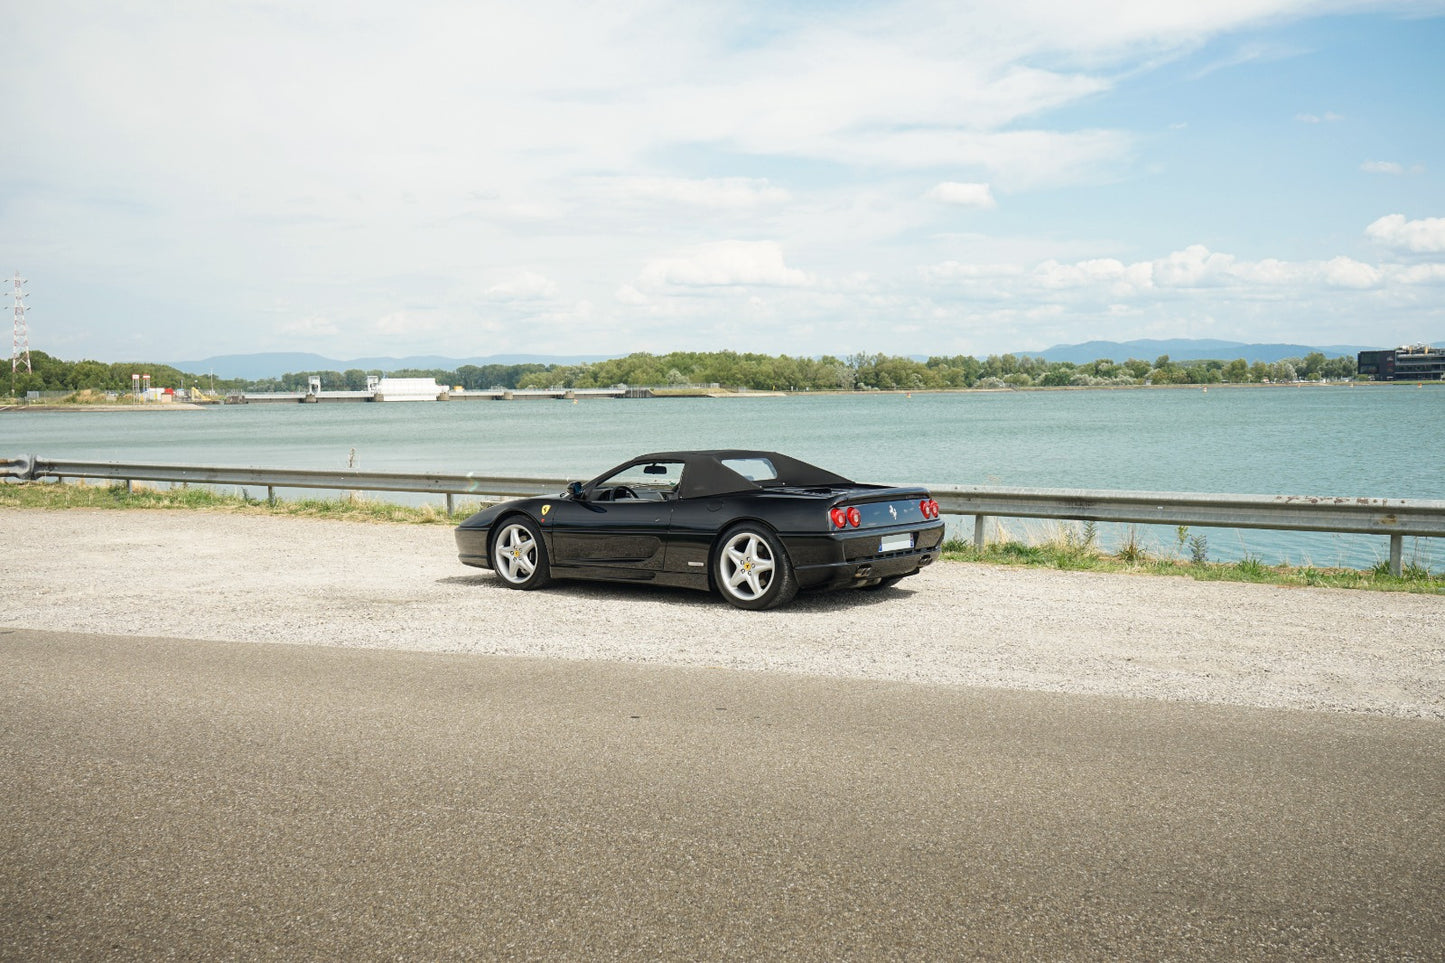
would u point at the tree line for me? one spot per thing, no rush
(892, 373)
(51, 374)
(727, 369)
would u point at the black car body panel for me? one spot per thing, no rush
(665, 523)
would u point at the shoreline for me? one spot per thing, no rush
(829, 392)
(167, 406)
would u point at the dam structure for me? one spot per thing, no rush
(422, 389)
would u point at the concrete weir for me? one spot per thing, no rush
(425, 389)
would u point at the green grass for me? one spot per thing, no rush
(52, 496)
(1070, 552)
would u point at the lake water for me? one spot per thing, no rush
(1372, 441)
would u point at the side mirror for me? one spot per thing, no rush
(575, 490)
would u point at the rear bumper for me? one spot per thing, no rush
(840, 560)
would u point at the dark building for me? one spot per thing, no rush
(1416, 362)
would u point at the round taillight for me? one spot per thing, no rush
(854, 517)
(839, 518)
(925, 508)
(933, 507)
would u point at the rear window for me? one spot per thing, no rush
(757, 470)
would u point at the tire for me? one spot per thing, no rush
(519, 556)
(751, 569)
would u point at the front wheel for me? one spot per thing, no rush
(519, 556)
(752, 570)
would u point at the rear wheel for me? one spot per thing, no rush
(752, 570)
(519, 556)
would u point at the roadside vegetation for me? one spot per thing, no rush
(1062, 547)
(1075, 548)
(51, 496)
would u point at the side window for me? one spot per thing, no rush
(651, 480)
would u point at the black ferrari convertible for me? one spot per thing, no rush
(756, 526)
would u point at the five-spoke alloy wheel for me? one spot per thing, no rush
(519, 556)
(752, 570)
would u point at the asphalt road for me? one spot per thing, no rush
(211, 800)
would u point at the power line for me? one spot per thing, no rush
(20, 339)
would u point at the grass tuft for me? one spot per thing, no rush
(1060, 554)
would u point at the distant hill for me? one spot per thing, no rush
(276, 363)
(1191, 349)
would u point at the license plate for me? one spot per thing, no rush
(896, 543)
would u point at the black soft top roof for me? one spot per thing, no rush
(704, 473)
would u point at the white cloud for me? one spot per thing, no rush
(1249, 53)
(1195, 266)
(523, 286)
(1327, 118)
(1269, 272)
(1424, 236)
(1420, 274)
(963, 195)
(1191, 292)
(627, 294)
(404, 324)
(309, 327)
(1014, 159)
(1392, 168)
(1382, 167)
(1194, 272)
(1344, 272)
(724, 263)
(957, 270)
(1052, 274)
(714, 193)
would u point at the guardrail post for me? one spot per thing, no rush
(270, 494)
(1397, 544)
(451, 507)
(980, 530)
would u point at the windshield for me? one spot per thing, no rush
(654, 476)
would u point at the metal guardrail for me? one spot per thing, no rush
(1392, 517)
(30, 467)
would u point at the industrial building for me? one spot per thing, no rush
(1415, 362)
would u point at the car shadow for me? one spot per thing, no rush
(482, 580)
(849, 598)
(841, 600)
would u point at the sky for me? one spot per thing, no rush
(180, 180)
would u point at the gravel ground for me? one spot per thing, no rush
(251, 578)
